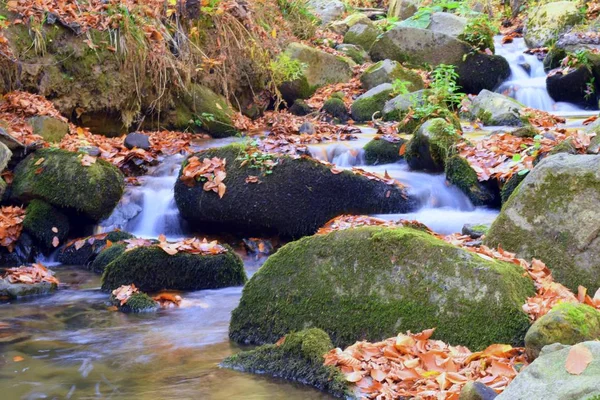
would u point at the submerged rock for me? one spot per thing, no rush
(61, 180)
(297, 198)
(463, 176)
(11, 291)
(551, 216)
(566, 323)
(298, 358)
(431, 145)
(372, 282)
(137, 303)
(151, 269)
(548, 21)
(381, 151)
(547, 377)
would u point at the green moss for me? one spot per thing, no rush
(295, 200)
(371, 103)
(336, 108)
(151, 269)
(61, 180)
(510, 186)
(300, 108)
(431, 145)
(40, 220)
(371, 283)
(299, 358)
(137, 303)
(383, 152)
(362, 35)
(92, 246)
(462, 175)
(106, 256)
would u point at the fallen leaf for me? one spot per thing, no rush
(18, 359)
(55, 241)
(578, 359)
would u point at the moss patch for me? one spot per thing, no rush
(137, 303)
(40, 222)
(460, 174)
(106, 256)
(383, 152)
(431, 145)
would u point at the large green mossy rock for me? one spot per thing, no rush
(387, 71)
(372, 282)
(419, 47)
(106, 256)
(85, 252)
(362, 35)
(296, 199)
(547, 377)
(371, 103)
(321, 69)
(495, 109)
(49, 128)
(299, 358)
(463, 176)
(548, 21)
(431, 145)
(566, 323)
(201, 109)
(44, 223)
(552, 216)
(62, 181)
(151, 269)
(381, 151)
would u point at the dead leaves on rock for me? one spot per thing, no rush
(34, 273)
(578, 359)
(211, 171)
(189, 246)
(11, 226)
(344, 222)
(415, 366)
(123, 293)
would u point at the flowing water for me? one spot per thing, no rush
(72, 347)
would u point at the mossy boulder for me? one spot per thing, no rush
(327, 10)
(300, 108)
(362, 35)
(137, 303)
(403, 9)
(548, 21)
(373, 282)
(551, 216)
(547, 378)
(336, 108)
(58, 177)
(354, 52)
(106, 256)
(299, 358)
(50, 128)
(89, 250)
(431, 145)
(381, 151)
(463, 176)
(510, 185)
(341, 27)
(44, 223)
(419, 47)
(371, 102)
(297, 198)
(554, 58)
(480, 71)
(495, 109)
(574, 87)
(321, 69)
(566, 323)
(388, 71)
(152, 269)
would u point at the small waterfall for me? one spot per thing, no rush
(527, 82)
(342, 154)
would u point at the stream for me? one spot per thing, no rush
(72, 347)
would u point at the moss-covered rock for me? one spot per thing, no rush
(137, 303)
(50, 128)
(5, 156)
(11, 291)
(566, 323)
(362, 35)
(577, 87)
(548, 21)
(372, 282)
(91, 247)
(44, 223)
(495, 109)
(477, 391)
(298, 197)
(106, 256)
(299, 358)
(354, 52)
(481, 71)
(300, 108)
(381, 151)
(403, 9)
(371, 102)
(341, 27)
(336, 108)
(152, 269)
(475, 231)
(554, 58)
(551, 216)
(388, 71)
(509, 186)
(431, 145)
(547, 378)
(448, 23)
(463, 176)
(62, 181)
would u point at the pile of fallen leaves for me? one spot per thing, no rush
(123, 293)
(351, 90)
(415, 366)
(355, 221)
(211, 171)
(34, 273)
(189, 246)
(11, 225)
(298, 144)
(499, 156)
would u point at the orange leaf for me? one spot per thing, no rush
(18, 358)
(578, 359)
(402, 149)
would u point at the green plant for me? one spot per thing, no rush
(203, 118)
(479, 33)
(388, 23)
(285, 69)
(399, 87)
(303, 22)
(444, 86)
(254, 158)
(422, 17)
(210, 7)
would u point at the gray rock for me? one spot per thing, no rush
(139, 140)
(550, 20)
(552, 216)
(18, 290)
(387, 71)
(477, 391)
(362, 35)
(547, 378)
(91, 150)
(419, 47)
(403, 9)
(341, 27)
(371, 102)
(475, 230)
(307, 128)
(49, 128)
(496, 109)
(327, 10)
(5, 156)
(447, 23)
(399, 105)
(12, 143)
(356, 53)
